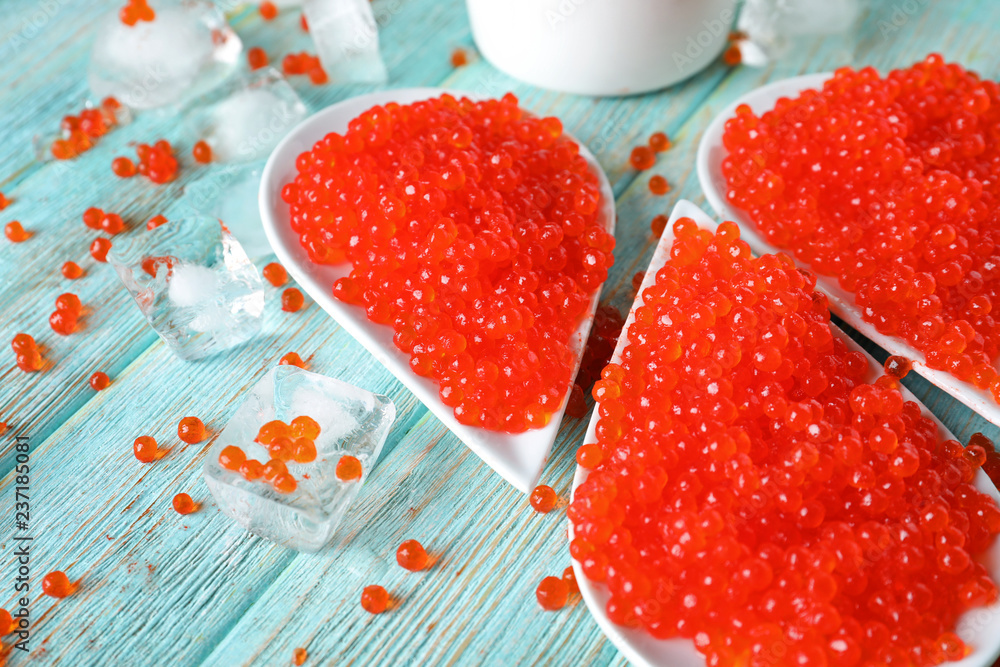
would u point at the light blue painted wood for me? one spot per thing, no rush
(158, 588)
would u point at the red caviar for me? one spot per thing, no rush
(92, 217)
(145, 449)
(79, 133)
(232, 458)
(155, 221)
(374, 599)
(99, 249)
(268, 10)
(184, 505)
(303, 450)
(292, 300)
(202, 152)
(576, 404)
(348, 468)
(275, 274)
(72, 271)
(28, 358)
(252, 470)
(304, 63)
(63, 322)
(157, 161)
(411, 556)
(569, 576)
(746, 473)
(659, 142)
(552, 593)
(642, 157)
(284, 483)
(272, 469)
(543, 499)
(112, 223)
(658, 185)
(256, 57)
(299, 655)
(658, 224)
(6, 623)
(135, 11)
(123, 167)
(304, 427)
(292, 359)
(732, 55)
(459, 58)
(894, 197)
(100, 381)
(474, 232)
(57, 585)
(15, 232)
(191, 430)
(4, 203)
(271, 430)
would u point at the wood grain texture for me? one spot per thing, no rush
(158, 588)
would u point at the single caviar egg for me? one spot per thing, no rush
(304, 426)
(281, 448)
(570, 578)
(15, 233)
(99, 249)
(69, 302)
(145, 449)
(303, 450)
(659, 142)
(123, 167)
(23, 342)
(268, 10)
(72, 271)
(291, 359)
(202, 152)
(232, 458)
(252, 470)
(658, 224)
(658, 185)
(183, 504)
(191, 430)
(155, 221)
(271, 430)
(57, 585)
(642, 157)
(6, 622)
(299, 655)
(275, 274)
(291, 300)
(411, 556)
(543, 499)
(284, 483)
(459, 58)
(374, 599)
(348, 468)
(257, 57)
(552, 593)
(92, 217)
(63, 322)
(272, 469)
(99, 381)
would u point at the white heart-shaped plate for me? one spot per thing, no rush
(979, 628)
(519, 458)
(711, 152)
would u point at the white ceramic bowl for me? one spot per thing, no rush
(592, 47)
(711, 152)
(979, 627)
(518, 458)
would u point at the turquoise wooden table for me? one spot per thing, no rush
(161, 588)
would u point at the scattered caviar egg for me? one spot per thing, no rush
(99, 381)
(570, 578)
(23, 342)
(304, 426)
(659, 142)
(15, 232)
(897, 367)
(4, 427)
(69, 302)
(303, 450)
(732, 55)
(700, 416)
(57, 585)
(348, 468)
(411, 556)
(292, 359)
(123, 167)
(658, 224)
(4, 203)
(112, 223)
(318, 75)
(63, 322)
(252, 470)
(71, 271)
(157, 161)
(552, 593)
(459, 58)
(484, 303)
(145, 449)
(232, 458)
(275, 274)
(202, 152)
(29, 361)
(257, 57)
(271, 430)
(658, 185)
(155, 221)
(92, 217)
(543, 499)
(299, 655)
(191, 430)
(303, 22)
(272, 469)
(99, 249)
(642, 157)
(284, 483)
(281, 448)
(268, 10)
(6, 622)
(374, 599)
(291, 300)
(183, 504)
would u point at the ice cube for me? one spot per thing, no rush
(771, 26)
(187, 50)
(352, 422)
(245, 119)
(194, 284)
(229, 193)
(346, 38)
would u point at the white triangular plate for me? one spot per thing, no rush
(711, 152)
(980, 628)
(518, 458)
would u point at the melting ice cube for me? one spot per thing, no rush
(245, 120)
(194, 284)
(185, 51)
(352, 421)
(346, 38)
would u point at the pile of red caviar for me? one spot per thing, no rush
(135, 11)
(749, 491)
(474, 232)
(285, 443)
(26, 353)
(304, 63)
(156, 162)
(892, 186)
(78, 133)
